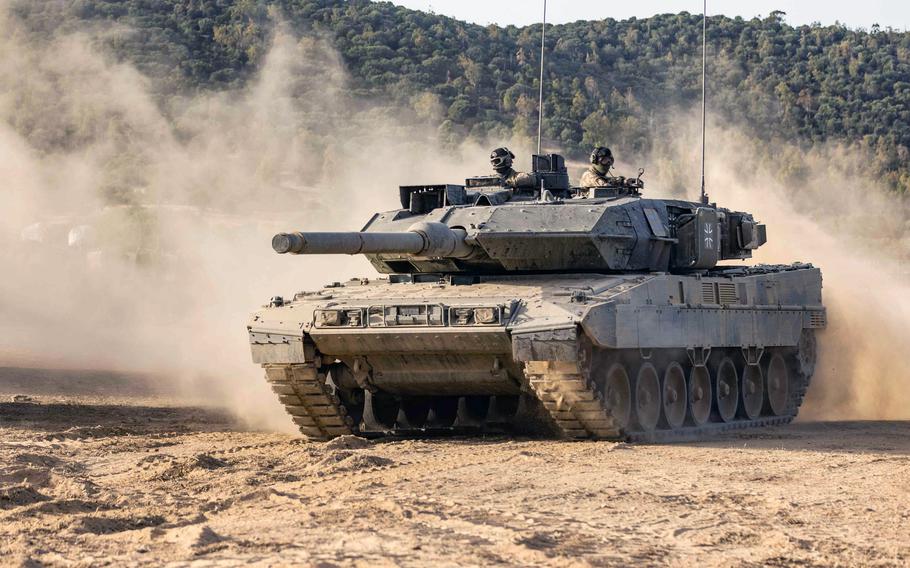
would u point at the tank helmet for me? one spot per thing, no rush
(501, 158)
(602, 156)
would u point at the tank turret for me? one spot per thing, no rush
(486, 229)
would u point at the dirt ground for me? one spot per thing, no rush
(87, 479)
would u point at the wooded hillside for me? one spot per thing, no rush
(606, 80)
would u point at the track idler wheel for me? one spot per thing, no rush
(726, 393)
(778, 385)
(699, 395)
(674, 396)
(647, 398)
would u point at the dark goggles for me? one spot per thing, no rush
(500, 161)
(605, 160)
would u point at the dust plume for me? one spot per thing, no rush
(820, 206)
(136, 231)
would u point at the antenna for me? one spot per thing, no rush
(704, 65)
(543, 35)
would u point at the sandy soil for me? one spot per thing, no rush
(88, 478)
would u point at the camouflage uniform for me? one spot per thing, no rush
(593, 178)
(501, 160)
(513, 179)
(598, 175)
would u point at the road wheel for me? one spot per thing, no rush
(472, 411)
(618, 394)
(699, 395)
(778, 385)
(674, 396)
(647, 398)
(726, 392)
(752, 391)
(380, 411)
(414, 412)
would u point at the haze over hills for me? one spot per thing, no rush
(614, 82)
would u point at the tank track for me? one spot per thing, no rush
(571, 400)
(313, 406)
(578, 410)
(566, 393)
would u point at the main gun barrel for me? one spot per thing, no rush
(347, 243)
(427, 239)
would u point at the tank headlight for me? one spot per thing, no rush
(486, 315)
(340, 318)
(354, 318)
(328, 318)
(475, 315)
(462, 316)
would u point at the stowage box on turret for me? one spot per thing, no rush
(583, 313)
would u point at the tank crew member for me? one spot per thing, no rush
(501, 159)
(598, 175)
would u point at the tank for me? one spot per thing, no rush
(579, 313)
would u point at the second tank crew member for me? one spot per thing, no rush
(598, 175)
(501, 160)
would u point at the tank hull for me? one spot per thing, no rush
(650, 356)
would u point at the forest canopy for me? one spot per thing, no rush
(605, 81)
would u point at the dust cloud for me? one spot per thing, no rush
(835, 215)
(135, 233)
